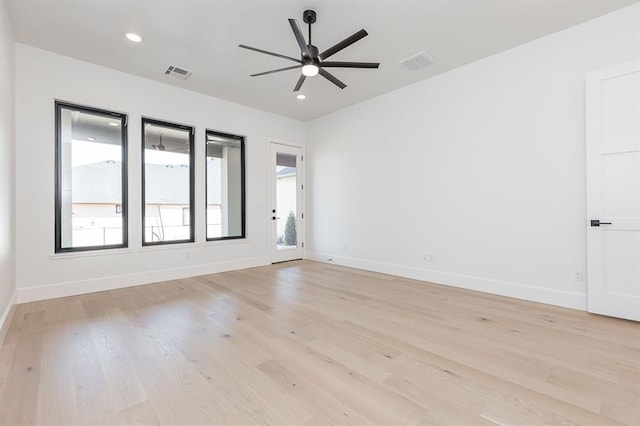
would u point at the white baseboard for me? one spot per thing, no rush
(6, 317)
(566, 299)
(72, 288)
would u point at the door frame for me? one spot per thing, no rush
(302, 175)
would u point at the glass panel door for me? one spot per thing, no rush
(286, 212)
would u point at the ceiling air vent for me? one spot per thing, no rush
(416, 62)
(177, 72)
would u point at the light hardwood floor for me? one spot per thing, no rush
(306, 342)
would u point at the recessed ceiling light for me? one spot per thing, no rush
(91, 138)
(134, 37)
(113, 123)
(301, 96)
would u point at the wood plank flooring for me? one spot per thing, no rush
(310, 343)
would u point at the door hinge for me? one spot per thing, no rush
(302, 245)
(302, 215)
(302, 186)
(302, 158)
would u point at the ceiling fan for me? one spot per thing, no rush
(161, 147)
(312, 62)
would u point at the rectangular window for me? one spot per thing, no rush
(91, 176)
(167, 182)
(225, 186)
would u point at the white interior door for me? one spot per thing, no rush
(613, 191)
(286, 214)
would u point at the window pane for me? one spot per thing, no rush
(91, 177)
(286, 201)
(168, 179)
(225, 186)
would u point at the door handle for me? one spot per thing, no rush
(596, 222)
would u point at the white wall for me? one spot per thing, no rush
(42, 77)
(482, 167)
(7, 153)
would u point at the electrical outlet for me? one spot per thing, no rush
(427, 257)
(578, 276)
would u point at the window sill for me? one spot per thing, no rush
(143, 249)
(90, 253)
(198, 245)
(226, 242)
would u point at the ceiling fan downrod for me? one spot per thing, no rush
(309, 17)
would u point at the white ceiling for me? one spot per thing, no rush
(202, 36)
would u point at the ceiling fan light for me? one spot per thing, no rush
(310, 70)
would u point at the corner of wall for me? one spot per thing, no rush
(7, 170)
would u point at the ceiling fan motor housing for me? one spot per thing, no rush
(314, 56)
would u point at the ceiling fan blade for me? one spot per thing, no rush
(278, 70)
(343, 44)
(270, 53)
(350, 64)
(299, 83)
(332, 79)
(299, 37)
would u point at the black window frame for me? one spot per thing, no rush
(243, 235)
(59, 106)
(192, 179)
